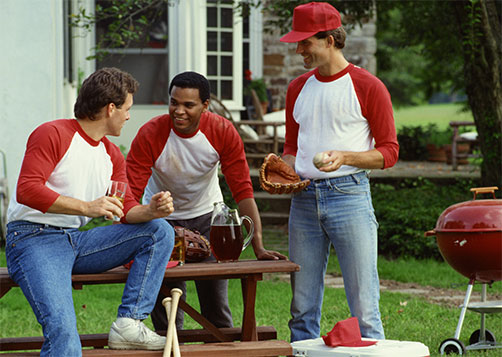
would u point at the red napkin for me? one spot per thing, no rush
(170, 264)
(346, 333)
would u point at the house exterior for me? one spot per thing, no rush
(43, 59)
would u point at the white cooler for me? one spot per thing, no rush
(383, 348)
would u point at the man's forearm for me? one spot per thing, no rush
(140, 214)
(68, 205)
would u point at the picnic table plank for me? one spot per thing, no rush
(221, 349)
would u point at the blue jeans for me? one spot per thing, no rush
(42, 258)
(334, 211)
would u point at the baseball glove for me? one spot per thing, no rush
(197, 247)
(277, 177)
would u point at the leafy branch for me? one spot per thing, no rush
(121, 23)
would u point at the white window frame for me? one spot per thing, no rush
(235, 103)
(256, 41)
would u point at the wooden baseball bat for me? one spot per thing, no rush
(166, 302)
(171, 330)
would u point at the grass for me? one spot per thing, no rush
(440, 114)
(405, 317)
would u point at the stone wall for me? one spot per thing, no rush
(281, 64)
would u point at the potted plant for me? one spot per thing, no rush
(436, 141)
(260, 88)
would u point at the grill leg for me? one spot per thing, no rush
(464, 308)
(482, 329)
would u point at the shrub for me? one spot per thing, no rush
(413, 140)
(404, 215)
(436, 136)
(412, 143)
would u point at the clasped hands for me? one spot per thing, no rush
(160, 205)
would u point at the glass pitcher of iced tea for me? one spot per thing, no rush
(226, 238)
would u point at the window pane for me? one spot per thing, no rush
(145, 58)
(214, 87)
(226, 66)
(226, 41)
(154, 34)
(245, 27)
(226, 90)
(212, 65)
(245, 59)
(212, 41)
(226, 18)
(151, 71)
(212, 20)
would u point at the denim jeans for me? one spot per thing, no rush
(335, 211)
(42, 258)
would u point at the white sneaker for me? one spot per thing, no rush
(130, 334)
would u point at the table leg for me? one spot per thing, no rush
(248, 283)
(4, 290)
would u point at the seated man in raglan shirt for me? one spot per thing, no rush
(67, 167)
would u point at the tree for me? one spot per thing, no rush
(462, 43)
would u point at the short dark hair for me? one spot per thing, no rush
(338, 34)
(105, 86)
(192, 80)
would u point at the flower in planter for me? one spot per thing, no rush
(259, 86)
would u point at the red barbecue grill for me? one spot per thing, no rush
(469, 237)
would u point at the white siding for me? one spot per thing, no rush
(31, 73)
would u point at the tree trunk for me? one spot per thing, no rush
(479, 23)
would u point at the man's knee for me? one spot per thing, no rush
(162, 231)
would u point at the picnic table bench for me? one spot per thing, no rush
(259, 339)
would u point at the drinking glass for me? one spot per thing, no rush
(117, 189)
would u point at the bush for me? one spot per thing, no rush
(412, 143)
(404, 215)
(413, 140)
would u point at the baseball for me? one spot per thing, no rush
(319, 158)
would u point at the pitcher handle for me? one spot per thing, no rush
(249, 237)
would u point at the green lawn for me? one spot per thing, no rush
(440, 114)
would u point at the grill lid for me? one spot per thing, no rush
(473, 216)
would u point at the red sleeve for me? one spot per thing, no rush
(227, 142)
(145, 149)
(292, 127)
(45, 148)
(376, 107)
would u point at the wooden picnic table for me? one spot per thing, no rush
(248, 271)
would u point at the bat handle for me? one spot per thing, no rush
(175, 294)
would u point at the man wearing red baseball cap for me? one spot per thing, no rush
(344, 113)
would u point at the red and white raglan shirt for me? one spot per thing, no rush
(61, 159)
(162, 159)
(349, 111)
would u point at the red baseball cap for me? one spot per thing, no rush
(311, 18)
(346, 333)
